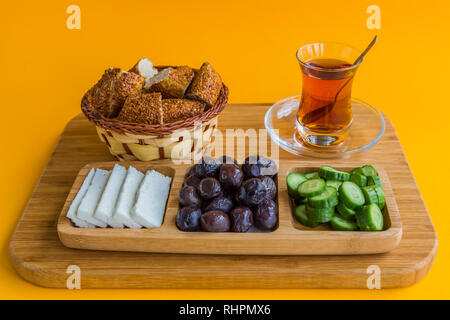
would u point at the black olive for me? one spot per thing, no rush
(188, 196)
(266, 215)
(257, 166)
(193, 181)
(197, 170)
(241, 219)
(220, 203)
(231, 176)
(210, 166)
(209, 188)
(188, 219)
(270, 187)
(215, 221)
(252, 192)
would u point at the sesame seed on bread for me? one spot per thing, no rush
(206, 85)
(143, 108)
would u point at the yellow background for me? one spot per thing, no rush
(46, 68)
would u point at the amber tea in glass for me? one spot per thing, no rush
(325, 113)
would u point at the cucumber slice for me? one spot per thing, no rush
(334, 183)
(300, 200)
(370, 195)
(311, 188)
(351, 195)
(319, 214)
(346, 213)
(339, 223)
(312, 175)
(359, 179)
(302, 217)
(370, 218)
(369, 170)
(380, 195)
(357, 170)
(374, 181)
(326, 199)
(293, 180)
(330, 173)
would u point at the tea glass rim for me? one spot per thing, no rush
(352, 67)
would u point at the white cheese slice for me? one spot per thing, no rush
(72, 212)
(105, 207)
(127, 198)
(151, 200)
(87, 206)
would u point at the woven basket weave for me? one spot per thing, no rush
(145, 142)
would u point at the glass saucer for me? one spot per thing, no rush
(366, 130)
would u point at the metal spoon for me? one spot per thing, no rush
(323, 111)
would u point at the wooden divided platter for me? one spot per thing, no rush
(289, 238)
(39, 256)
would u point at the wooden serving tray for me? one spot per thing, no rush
(39, 256)
(289, 238)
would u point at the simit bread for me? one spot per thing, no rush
(144, 67)
(180, 109)
(206, 85)
(171, 82)
(110, 92)
(144, 108)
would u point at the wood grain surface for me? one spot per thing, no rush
(39, 256)
(289, 238)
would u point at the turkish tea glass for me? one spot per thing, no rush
(325, 115)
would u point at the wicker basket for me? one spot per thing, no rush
(134, 141)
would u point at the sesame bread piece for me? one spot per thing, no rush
(206, 85)
(110, 92)
(180, 109)
(144, 108)
(171, 82)
(144, 67)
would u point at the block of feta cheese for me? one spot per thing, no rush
(72, 212)
(107, 203)
(127, 198)
(151, 200)
(90, 200)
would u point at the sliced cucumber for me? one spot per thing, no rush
(330, 173)
(369, 170)
(370, 195)
(359, 179)
(339, 223)
(334, 183)
(357, 170)
(351, 195)
(326, 199)
(300, 200)
(346, 213)
(370, 218)
(302, 217)
(312, 175)
(380, 195)
(319, 214)
(374, 181)
(293, 180)
(311, 188)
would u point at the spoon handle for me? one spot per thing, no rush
(361, 56)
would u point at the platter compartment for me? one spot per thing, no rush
(289, 238)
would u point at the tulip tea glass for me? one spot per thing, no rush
(325, 114)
